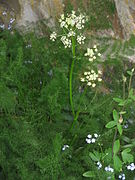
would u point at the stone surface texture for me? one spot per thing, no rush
(126, 14)
(29, 12)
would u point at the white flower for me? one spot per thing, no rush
(4, 13)
(99, 165)
(67, 42)
(131, 167)
(133, 70)
(99, 79)
(89, 136)
(122, 176)
(80, 39)
(53, 36)
(96, 135)
(92, 77)
(93, 85)
(12, 20)
(89, 83)
(91, 59)
(62, 24)
(99, 72)
(71, 22)
(90, 52)
(108, 168)
(2, 26)
(73, 12)
(71, 33)
(62, 16)
(64, 147)
(82, 79)
(93, 140)
(9, 27)
(88, 141)
(28, 46)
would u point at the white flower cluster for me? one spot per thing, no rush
(67, 42)
(80, 39)
(92, 53)
(91, 77)
(71, 24)
(90, 139)
(28, 46)
(4, 13)
(109, 169)
(71, 33)
(65, 147)
(53, 36)
(131, 167)
(11, 21)
(72, 21)
(99, 165)
(122, 176)
(2, 26)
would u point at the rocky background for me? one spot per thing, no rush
(27, 13)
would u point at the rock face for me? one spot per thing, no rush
(29, 12)
(126, 14)
(35, 10)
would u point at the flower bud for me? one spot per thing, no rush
(121, 119)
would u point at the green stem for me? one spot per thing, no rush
(78, 112)
(71, 76)
(130, 82)
(124, 92)
(114, 138)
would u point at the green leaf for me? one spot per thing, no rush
(115, 115)
(97, 154)
(93, 157)
(116, 147)
(111, 124)
(126, 156)
(131, 94)
(129, 73)
(123, 112)
(133, 98)
(122, 103)
(126, 139)
(118, 100)
(89, 174)
(119, 126)
(117, 163)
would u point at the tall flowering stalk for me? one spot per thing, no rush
(72, 26)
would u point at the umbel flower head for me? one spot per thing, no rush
(92, 53)
(91, 78)
(71, 24)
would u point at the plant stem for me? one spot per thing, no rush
(115, 135)
(124, 87)
(78, 112)
(130, 82)
(71, 76)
